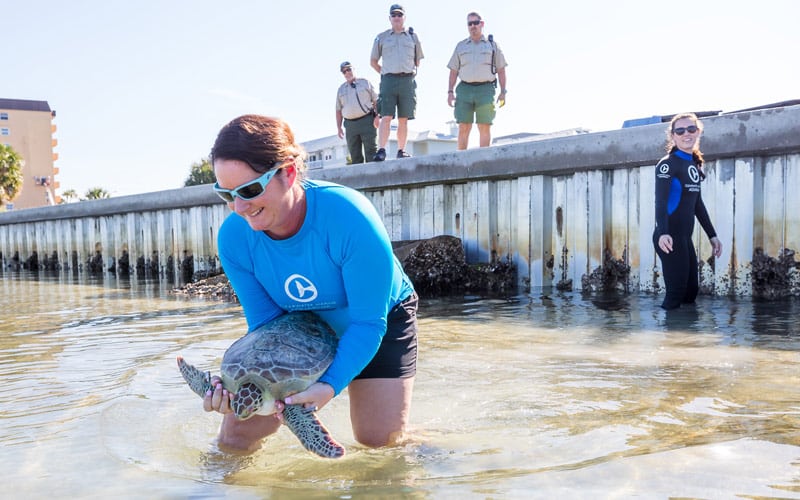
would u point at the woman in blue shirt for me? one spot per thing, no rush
(297, 244)
(678, 202)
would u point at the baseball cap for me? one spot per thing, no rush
(397, 8)
(344, 65)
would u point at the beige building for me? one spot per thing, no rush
(27, 126)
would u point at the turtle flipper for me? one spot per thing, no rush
(199, 382)
(310, 431)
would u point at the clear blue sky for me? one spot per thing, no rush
(141, 88)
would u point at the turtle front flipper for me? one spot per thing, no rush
(310, 431)
(199, 382)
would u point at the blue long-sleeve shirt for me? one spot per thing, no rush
(678, 199)
(340, 264)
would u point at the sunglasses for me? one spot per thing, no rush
(249, 190)
(682, 130)
(347, 70)
(473, 23)
(396, 14)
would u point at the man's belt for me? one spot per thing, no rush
(360, 117)
(399, 74)
(475, 84)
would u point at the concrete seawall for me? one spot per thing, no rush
(569, 212)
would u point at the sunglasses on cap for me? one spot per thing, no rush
(682, 130)
(473, 23)
(248, 190)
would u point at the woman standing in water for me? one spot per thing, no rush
(297, 244)
(678, 202)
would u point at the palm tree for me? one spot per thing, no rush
(96, 193)
(69, 195)
(10, 173)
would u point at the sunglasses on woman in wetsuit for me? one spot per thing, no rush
(682, 130)
(248, 190)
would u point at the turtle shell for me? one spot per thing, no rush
(280, 358)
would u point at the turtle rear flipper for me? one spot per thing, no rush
(199, 382)
(311, 433)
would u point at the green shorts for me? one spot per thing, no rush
(475, 103)
(398, 93)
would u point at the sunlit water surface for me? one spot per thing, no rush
(529, 397)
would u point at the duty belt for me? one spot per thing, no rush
(360, 117)
(399, 74)
(475, 84)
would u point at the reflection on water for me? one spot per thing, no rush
(532, 396)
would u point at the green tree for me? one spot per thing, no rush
(96, 193)
(69, 195)
(10, 173)
(202, 173)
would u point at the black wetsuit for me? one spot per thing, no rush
(678, 202)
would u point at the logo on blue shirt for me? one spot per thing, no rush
(299, 288)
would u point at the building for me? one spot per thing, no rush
(331, 151)
(27, 126)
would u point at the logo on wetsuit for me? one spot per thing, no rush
(694, 175)
(299, 288)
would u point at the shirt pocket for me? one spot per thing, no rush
(400, 48)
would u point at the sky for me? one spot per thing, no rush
(141, 89)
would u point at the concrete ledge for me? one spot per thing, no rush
(159, 200)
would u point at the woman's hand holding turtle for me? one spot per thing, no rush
(315, 397)
(217, 399)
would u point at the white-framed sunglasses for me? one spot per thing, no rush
(248, 190)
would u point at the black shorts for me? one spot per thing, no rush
(397, 354)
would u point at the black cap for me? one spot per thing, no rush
(344, 65)
(397, 8)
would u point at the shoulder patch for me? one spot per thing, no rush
(664, 168)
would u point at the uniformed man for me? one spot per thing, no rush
(356, 104)
(399, 52)
(480, 65)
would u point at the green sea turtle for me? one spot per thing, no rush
(278, 359)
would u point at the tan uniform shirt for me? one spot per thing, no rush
(397, 51)
(473, 60)
(356, 102)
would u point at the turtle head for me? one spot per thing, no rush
(248, 401)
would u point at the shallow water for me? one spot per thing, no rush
(529, 397)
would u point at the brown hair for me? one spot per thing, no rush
(697, 155)
(260, 141)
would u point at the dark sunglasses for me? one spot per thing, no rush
(249, 190)
(347, 70)
(396, 14)
(682, 130)
(473, 23)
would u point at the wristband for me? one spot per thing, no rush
(449, 91)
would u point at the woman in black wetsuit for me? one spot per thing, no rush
(678, 202)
